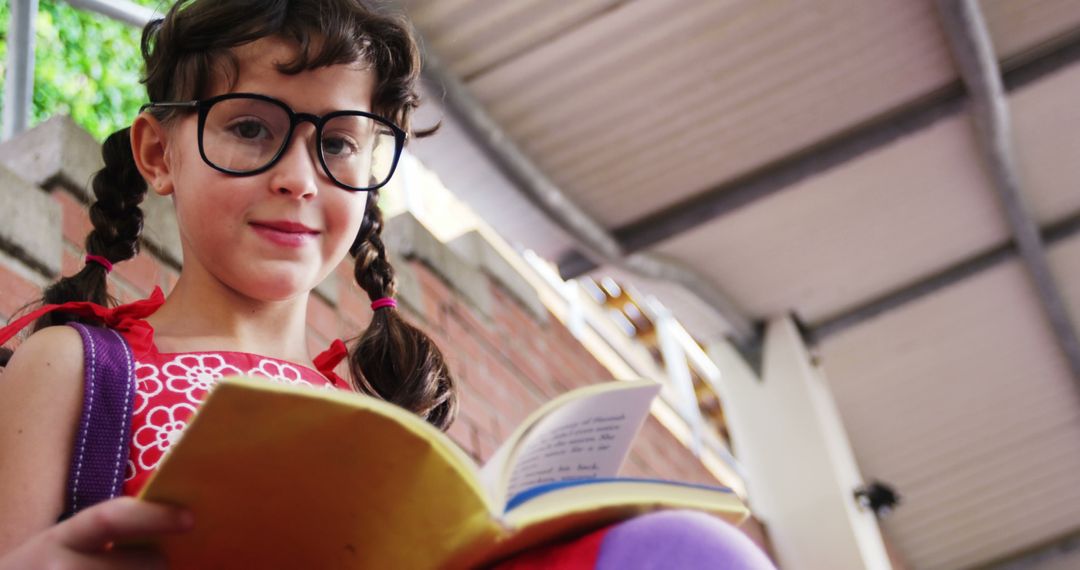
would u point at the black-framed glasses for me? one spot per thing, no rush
(244, 134)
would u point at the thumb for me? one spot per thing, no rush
(122, 519)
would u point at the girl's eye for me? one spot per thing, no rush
(339, 146)
(249, 129)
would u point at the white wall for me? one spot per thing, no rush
(801, 472)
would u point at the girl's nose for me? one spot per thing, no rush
(297, 171)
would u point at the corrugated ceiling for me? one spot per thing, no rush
(960, 397)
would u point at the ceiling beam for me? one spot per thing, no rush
(819, 331)
(969, 38)
(785, 172)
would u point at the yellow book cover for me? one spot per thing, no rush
(293, 477)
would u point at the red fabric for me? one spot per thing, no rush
(575, 554)
(170, 386)
(126, 319)
(328, 359)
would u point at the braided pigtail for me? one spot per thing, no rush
(119, 188)
(394, 360)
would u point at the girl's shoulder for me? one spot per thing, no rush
(51, 360)
(45, 378)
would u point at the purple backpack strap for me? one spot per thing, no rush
(99, 458)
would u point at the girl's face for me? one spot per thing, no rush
(277, 234)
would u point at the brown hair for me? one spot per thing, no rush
(392, 359)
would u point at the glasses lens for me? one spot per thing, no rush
(242, 135)
(359, 151)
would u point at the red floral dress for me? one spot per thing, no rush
(171, 386)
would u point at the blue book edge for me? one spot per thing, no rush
(534, 492)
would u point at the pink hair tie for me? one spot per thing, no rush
(384, 302)
(100, 261)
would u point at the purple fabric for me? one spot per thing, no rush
(99, 458)
(679, 539)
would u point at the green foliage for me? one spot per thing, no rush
(85, 65)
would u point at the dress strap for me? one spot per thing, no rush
(328, 359)
(127, 319)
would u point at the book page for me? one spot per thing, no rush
(584, 438)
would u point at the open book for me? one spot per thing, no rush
(292, 477)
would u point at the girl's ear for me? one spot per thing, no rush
(149, 145)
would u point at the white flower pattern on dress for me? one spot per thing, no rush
(163, 427)
(148, 384)
(278, 371)
(195, 374)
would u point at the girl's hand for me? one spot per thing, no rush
(86, 539)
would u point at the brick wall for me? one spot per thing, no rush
(508, 353)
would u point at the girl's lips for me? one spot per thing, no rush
(288, 234)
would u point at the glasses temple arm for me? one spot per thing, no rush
(171, 104)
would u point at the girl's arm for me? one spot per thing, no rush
(40, 405)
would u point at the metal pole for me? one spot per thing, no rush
(969, 39)
(678, 372)
(19, 79)
(121, 10)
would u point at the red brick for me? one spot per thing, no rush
(349, 328)
(435, 292)
(15, 291)
(487, 333)
(463, 433)
(473, 406)
(71, 259)
(124, 293)
(75, 217)
(486, 445)
(141, 272)
(353, 301)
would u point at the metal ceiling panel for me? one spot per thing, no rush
(1046, 127)
(622, 120)
(852, 233)
(1019, 26)
(959, 397)
(961, 400)
(476, 36)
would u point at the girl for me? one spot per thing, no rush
(272, 125)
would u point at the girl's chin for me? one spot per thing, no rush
(273, 286)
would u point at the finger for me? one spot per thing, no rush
(121, 519)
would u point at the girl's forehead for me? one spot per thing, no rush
(320, 90)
